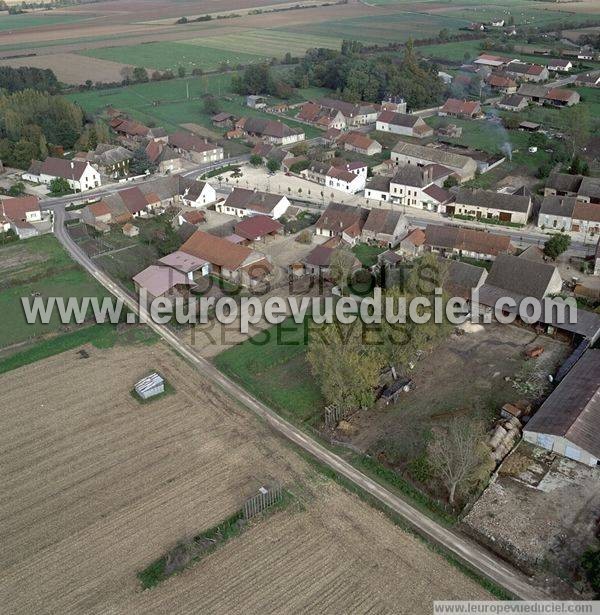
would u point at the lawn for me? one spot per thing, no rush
(273, 367)
(33, 266)
(165, 103)
(367, 254)
(489, 137)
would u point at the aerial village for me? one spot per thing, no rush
(494, 185)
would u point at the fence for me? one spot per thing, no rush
(333, 415)
(262, 500)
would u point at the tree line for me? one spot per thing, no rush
(31, 121)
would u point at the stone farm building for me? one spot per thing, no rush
(404, 153)
(403, 124)
(460, 241)
(512, 208)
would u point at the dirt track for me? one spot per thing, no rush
(95, 486)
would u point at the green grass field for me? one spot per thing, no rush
(170, 55)
(164, 103)
(380, 29)
(276, 355)
(33, 20)
(268, 43)
(37, 265)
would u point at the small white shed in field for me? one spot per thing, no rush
(150, 386)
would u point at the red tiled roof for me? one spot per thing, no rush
(461, 107)
(257, 226)
(16, 209)
(99, 209)
(216, 250)
(190, 142)
(560, 94)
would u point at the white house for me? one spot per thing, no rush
(403, 124)
(345, 180)
(199, 194)
(560, 66)
(242, 203)
(18, 214)
(80, 175)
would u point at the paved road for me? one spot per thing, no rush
(467, 551)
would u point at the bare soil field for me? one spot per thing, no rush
(71, 68)
(95, 486)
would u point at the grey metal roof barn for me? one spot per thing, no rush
(150, 386)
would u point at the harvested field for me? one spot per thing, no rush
(71, 68)
(93, 491)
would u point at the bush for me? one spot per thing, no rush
(304, 237)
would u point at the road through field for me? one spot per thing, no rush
(465, 550)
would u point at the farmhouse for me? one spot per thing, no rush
(242, 203)
(384, 227)
(501, 83)
(168, 159)
(360, 143)
(589, 80)
(360, 114)
(405, 153)
(513, 102)
(345, 221)
(528, 72)
(110, 159)
(258, 228)
(198, 194)
(272, 131)
(560, 66)
(403, 124)
(194, 148)
(323, 117)
(569, 213)
(134, 132)
(231, 261)
(567, 422)
(556, 97)
(138, 204)
(158, 281)
(18, 214)
(585, 189)
(510, 208)
(412, 244)
(459, 241)
(454, 107)
(97, 215)
(80, 175)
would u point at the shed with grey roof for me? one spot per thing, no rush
(568, 423)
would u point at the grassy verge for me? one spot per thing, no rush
(201, 545)
(100, 336)
(221, 170)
